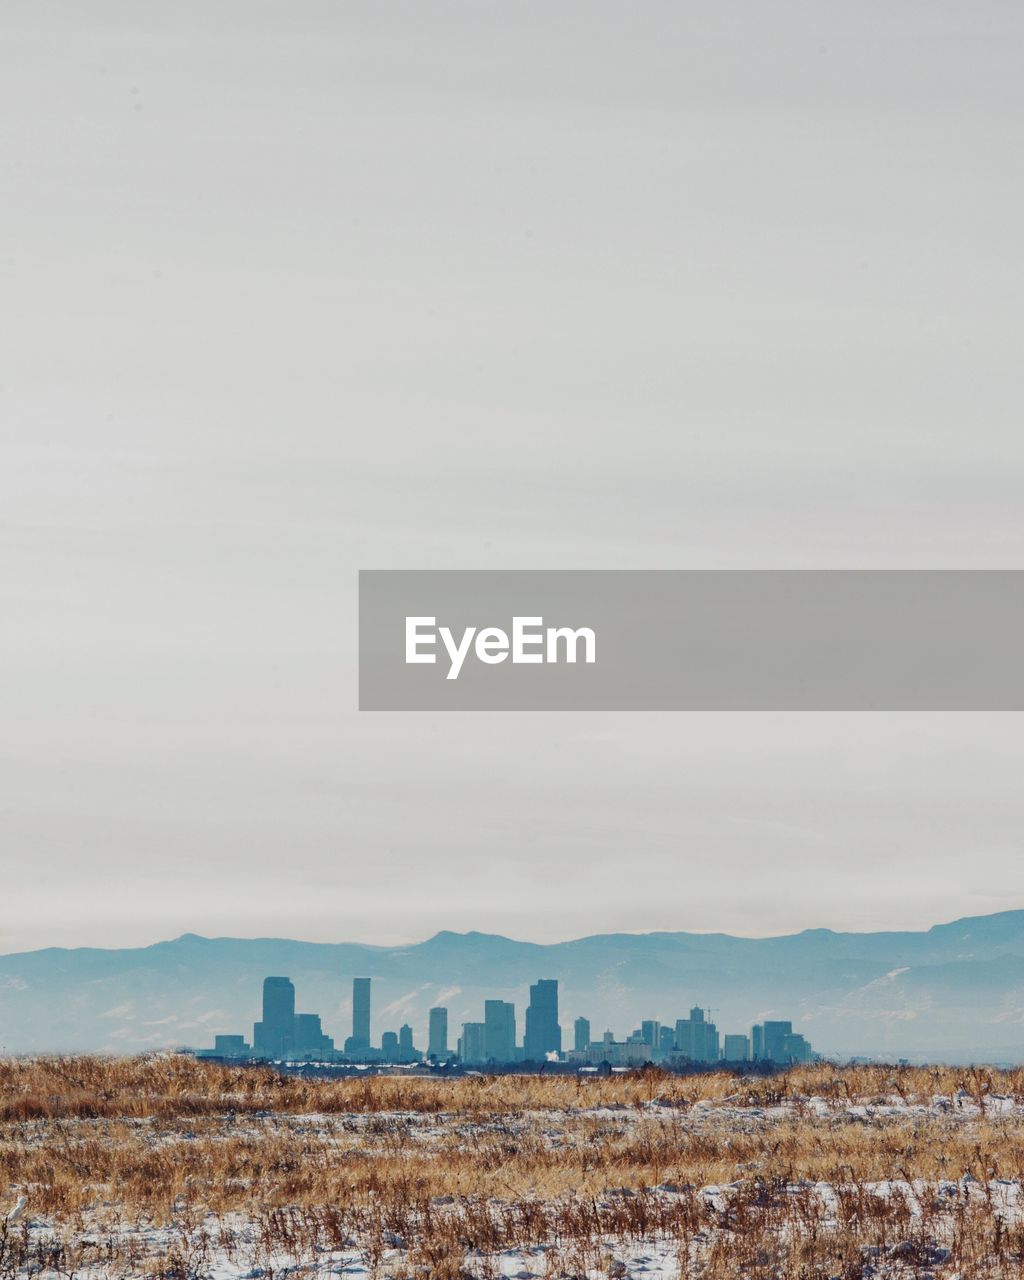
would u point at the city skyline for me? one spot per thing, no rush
(282, 1034)
(853, 993)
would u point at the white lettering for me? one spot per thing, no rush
(571, 639)
(531, 642)
(413, 640)
(521, 638)
(457, 652)
(492, 645)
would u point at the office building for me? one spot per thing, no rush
(666, 1041)
(310, 1041)
(736, 1048)
(696, 1038)
(499, 1031)
(389, 1046)
(274, 1035)
(543, 1034)
(581, 1034)
(437, 1046)
(776, 1042)
(360, 1038)
(471, 1042)
(797, 1049)
(649, 1031)
(406, 1048)
(617, 1053)
(230, 1047)
(775, 1034)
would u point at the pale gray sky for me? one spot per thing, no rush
(290, 290)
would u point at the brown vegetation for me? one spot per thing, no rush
(167, 1086)
(433, 1177)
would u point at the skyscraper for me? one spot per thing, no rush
(543, 1034)
(775, 1034)
(471, 1042)
(437, 1046)
(797, 1049)
(360, 1013)
(274, 1036)
(581, 1034)
(499, 1031)
(406, 1048)
(736, 1048)
(696, 1038)
(310, 1041)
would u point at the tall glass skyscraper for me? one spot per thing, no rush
(274, 1036)
(360, 1013)
(543, 1034)
(499, 1031)
(437, 1046)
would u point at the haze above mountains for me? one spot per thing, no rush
(954, 992)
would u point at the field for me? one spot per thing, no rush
(164, 1166)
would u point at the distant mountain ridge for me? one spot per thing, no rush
(953, 992)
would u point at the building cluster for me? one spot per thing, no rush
(692, 1039)
(284, 1035)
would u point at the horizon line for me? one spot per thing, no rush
(470, 933)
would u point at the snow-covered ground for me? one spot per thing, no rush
(230, 1247)
(105, 1241)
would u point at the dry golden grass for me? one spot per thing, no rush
(169, 1086)
(449, 1167)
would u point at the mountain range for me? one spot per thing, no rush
(952, 993)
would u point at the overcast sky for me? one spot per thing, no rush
(287, 290)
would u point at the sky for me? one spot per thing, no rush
(290, 291)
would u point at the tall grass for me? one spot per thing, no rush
(432, 1177)
(165, 1086)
